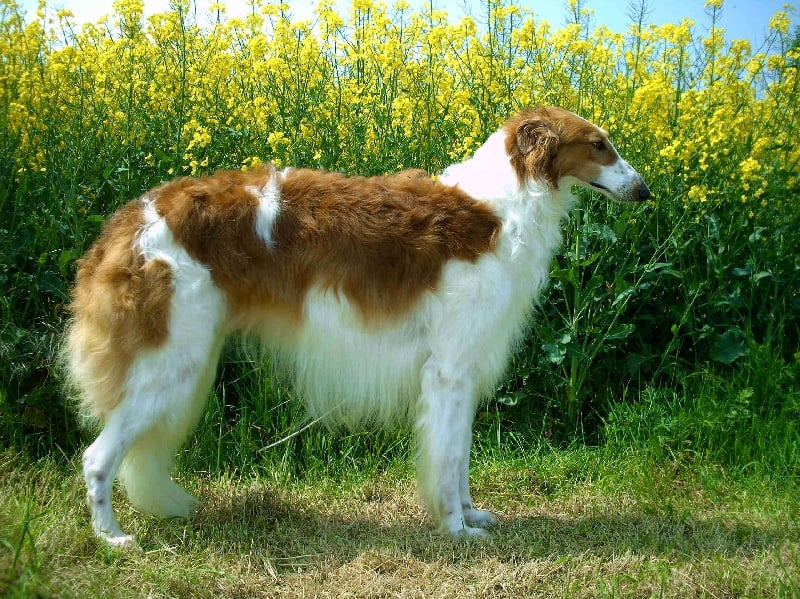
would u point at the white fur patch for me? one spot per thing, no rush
(351, 375)
(268, 208)
(195, 324)
(488, 175)
(155, 236)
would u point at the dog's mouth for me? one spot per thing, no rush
(640, 193)
(604, 190)
(599, 187)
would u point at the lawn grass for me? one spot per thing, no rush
(686, 494)
(575, 522)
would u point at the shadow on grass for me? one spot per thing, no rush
(295, 536)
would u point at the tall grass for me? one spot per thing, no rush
(675, 310)
(746, 422)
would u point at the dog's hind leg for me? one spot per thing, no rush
(101, 462)
(145, 471)
(166, 393)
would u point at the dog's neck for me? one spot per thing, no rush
(487, 175)
(531, 211)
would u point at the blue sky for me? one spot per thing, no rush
(740, 18)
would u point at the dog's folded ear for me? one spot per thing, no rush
(537, 141)
(536, 135)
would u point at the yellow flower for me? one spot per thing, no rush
(201, 138)
(780, 22)
(749, 166)
(776, 62)
(698, 193)
(251, 162)
(277, 139)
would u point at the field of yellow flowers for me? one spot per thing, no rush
(704, 278)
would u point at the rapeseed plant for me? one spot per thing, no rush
(92, 116)
(178, 82)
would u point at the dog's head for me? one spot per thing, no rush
(558, 146)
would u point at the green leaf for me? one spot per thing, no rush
(742, 272)
(731, 345)
(603, 232)
(621, 224)
(622, 295)
(65, 258)
(554, 352)
(663, 268)
(621, 332)
(764, 274)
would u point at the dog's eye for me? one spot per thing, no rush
(599, 146)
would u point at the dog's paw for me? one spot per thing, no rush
(473, 532)
(479, 518)
(461, 529)
(122, 542)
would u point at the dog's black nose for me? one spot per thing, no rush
(642, 192)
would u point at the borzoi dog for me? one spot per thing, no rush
(390, 300)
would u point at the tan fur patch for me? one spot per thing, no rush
(380, 241)
(120, 305)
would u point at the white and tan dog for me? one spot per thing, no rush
(390, 300)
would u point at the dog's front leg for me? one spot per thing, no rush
(472, 515)
(444, 436)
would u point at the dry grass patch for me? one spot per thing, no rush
(366, 537)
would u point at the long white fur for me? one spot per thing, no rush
(350, 376)
(429, 370)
